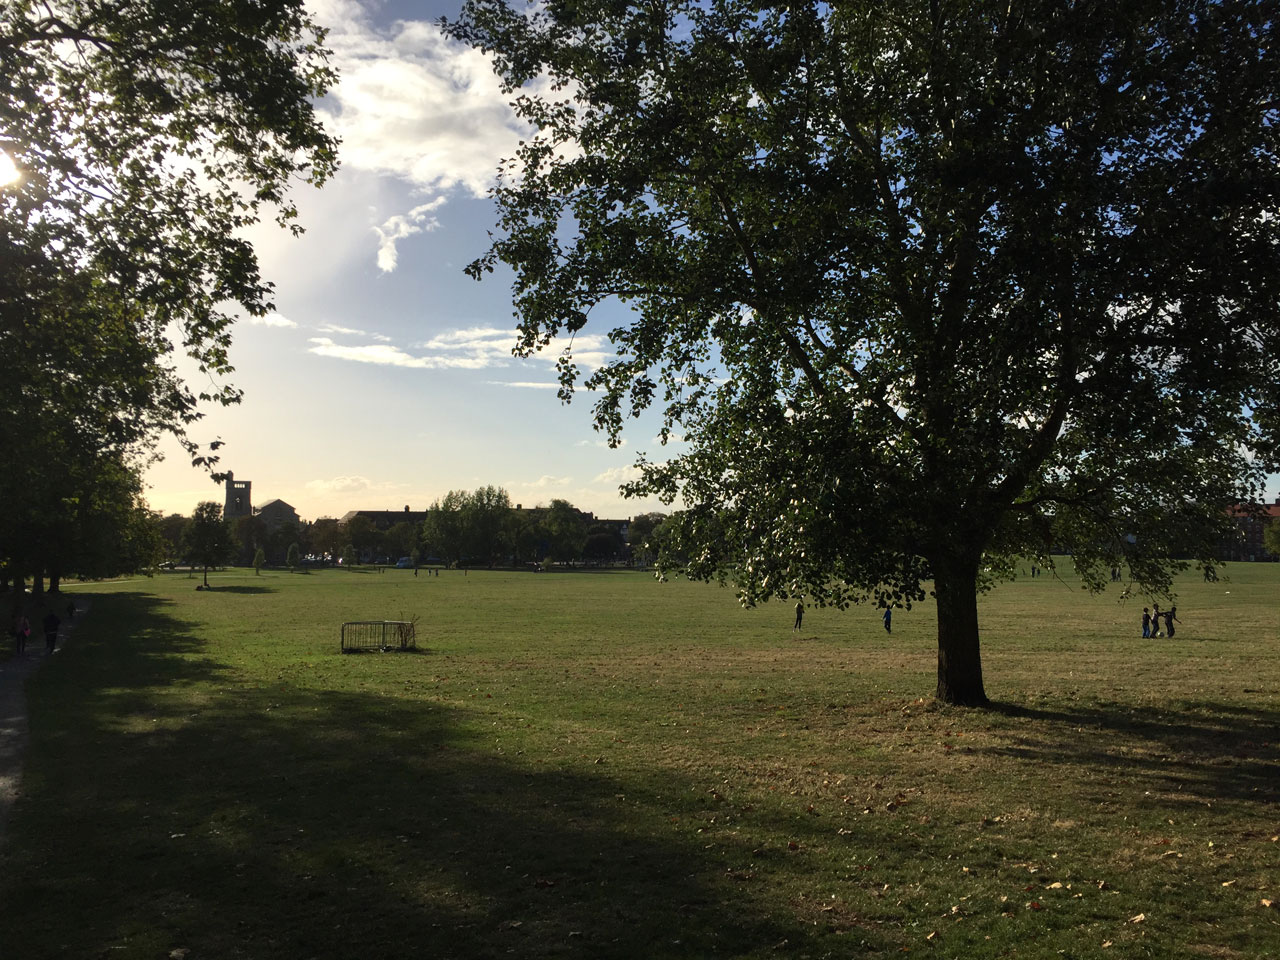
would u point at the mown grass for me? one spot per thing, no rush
(599, 765)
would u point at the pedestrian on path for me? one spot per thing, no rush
(21, 630)
(51, 624)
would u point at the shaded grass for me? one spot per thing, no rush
(602, 766)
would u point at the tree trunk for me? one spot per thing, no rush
(206, 575)
(959, 659)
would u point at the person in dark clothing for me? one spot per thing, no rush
(51, 624)
(1170, 618)
(888, 619)
(1146, 622)
(799, 614)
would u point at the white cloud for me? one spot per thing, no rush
(402, 226)
(619, 475)
(474, 348)
(334, 328)
(272, 320)
(411, 103)
(387, 355)
(602, 444)
(526, 384)
(340, 485)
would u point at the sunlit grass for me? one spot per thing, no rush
(599, 765)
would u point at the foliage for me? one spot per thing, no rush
(642, 534)
(170, 527)
(326, 536)
(923, 291)
(1271, 536)
(565, 530)
(401, 539)
(603, 543)
(250, 533)
(207, 538)
(148, 137)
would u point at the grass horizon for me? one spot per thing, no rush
(606, 766)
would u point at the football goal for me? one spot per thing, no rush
(360, 635)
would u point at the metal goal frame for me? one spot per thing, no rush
(380, 635)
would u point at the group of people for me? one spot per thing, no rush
(886, 618)
(20, 629)
(1151, 621)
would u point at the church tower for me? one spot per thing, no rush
(239, 500)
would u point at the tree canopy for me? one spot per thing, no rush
(923, 287)
(147, 136)
(207, 538)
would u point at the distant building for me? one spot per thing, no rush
(239, 498)
(276, 513)
(1251, 521)
(385, 519)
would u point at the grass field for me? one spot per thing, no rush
(599, 765)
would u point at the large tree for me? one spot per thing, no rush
(923, 286)
(147, 136)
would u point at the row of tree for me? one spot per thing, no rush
(478, 527)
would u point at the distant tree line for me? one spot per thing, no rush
(462, 528)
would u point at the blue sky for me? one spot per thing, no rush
(385, 377)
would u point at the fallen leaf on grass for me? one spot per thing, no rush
(1105, 944)
(1228, 883)
(1057, 885)
(1267, 903)
(1138, 919)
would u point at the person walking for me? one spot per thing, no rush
(1146, 622)
(799, 615)
(51, 624)
(888, 619)
(22, 630)
(1170, 618)
(1155, 621)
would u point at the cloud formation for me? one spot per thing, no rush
(474, 348)
(413, 104)
(619, 475)
(392, 356)
(402, 226)
(272, 320)
(340, 485)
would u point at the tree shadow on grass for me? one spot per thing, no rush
(170, 805)
(1202, 750)
(238, 588)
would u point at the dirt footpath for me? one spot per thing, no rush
(13, 704)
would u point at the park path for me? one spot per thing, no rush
(13, 705)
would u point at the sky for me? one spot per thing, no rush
(384, 378)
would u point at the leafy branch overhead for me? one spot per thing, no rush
(147, 137)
